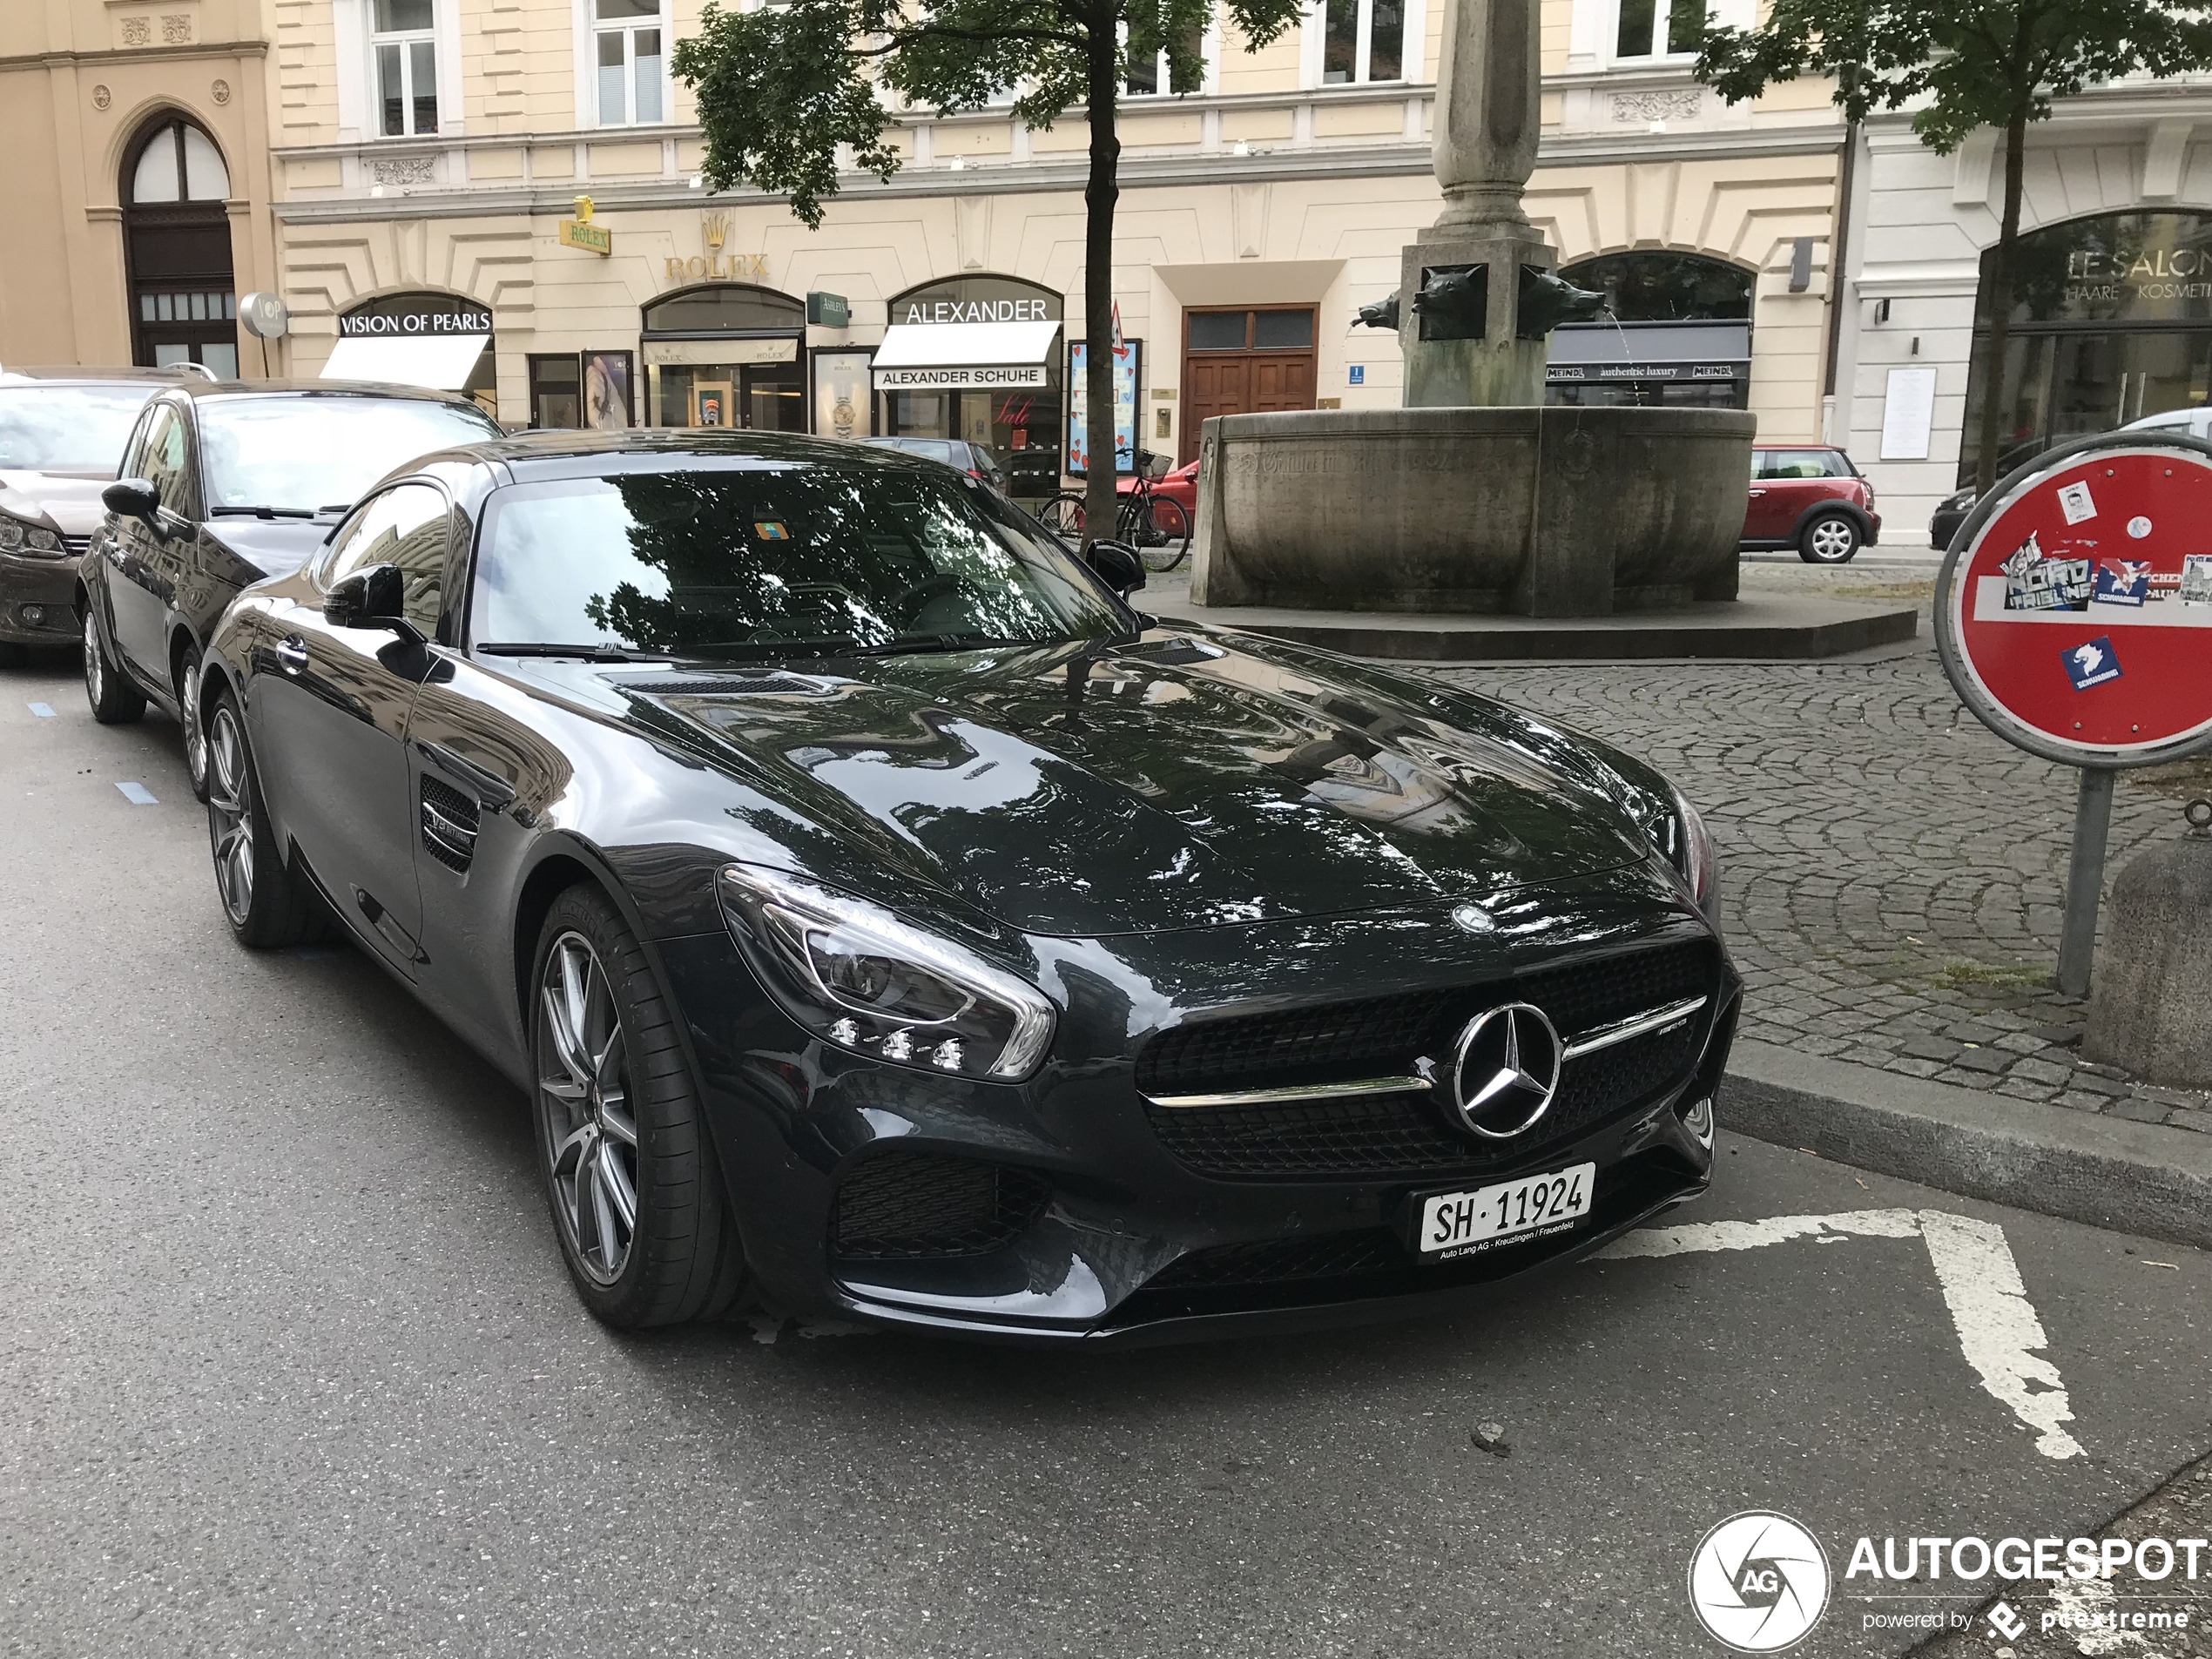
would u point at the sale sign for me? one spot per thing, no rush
(2076, 620)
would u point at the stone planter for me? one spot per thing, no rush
(1536, 511)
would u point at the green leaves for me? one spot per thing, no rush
(1978, 62)
(783, 91)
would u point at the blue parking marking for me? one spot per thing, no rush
(137, 794)
(42, 710)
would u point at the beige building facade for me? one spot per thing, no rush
(401, 172)
(137, 137)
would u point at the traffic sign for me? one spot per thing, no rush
(2073, 613)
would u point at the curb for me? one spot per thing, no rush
(2142, 1178)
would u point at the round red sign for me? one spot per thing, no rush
(2074, 611)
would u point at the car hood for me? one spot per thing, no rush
(1167, 784)
(267, 546)
(68, 502)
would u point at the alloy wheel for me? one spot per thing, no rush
(195, 731)
(584, 1092)
(230, 816)
(95, 672)
(1833, 540)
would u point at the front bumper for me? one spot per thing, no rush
(37, 600)
(1127, 1242)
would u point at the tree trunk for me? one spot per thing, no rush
(2001, 304)
(1099, 194)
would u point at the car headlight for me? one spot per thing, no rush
(1683, 837)
(16, 537)
(858, 977)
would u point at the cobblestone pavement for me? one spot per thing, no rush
(1891, 870)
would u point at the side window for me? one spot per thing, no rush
(1761, 463)
(404, 526)
(1835, 464)
(162, 464)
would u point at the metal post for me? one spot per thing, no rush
(2085, 876)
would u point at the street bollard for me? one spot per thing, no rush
(2152, 1012)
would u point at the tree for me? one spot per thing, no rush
(782, 89)
(1963, 65)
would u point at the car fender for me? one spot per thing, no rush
(1851, 509)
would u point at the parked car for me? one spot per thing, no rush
(883, 919)
(971, 458)
(61, 435)
(1180, 486)
(223, 483)
(1810, 496)
(1952, 512)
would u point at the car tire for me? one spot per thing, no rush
(115, 701)
(267, 904)
(188, 717)
(630, 1174)
(1831, 538)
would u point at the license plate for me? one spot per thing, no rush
(1460, 1223)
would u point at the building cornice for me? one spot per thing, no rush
(138, 54)
(2104, 106)
(1262, 165)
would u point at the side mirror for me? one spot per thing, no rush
(375, 597)
(1117, 565)
(134, 498)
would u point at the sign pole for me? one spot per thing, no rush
(2085, 876)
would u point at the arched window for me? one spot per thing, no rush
(178, 239)
(1678, 332)
(1659, 287)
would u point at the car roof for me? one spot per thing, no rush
(2171, 417)
(579, 453)
(200, 389)
(82, 376)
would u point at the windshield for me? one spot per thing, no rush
(298, 453)
(767, 559)
(68, 429)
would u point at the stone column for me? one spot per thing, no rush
(1486, 123)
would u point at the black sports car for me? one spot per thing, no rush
(224, 482)
(885, 918)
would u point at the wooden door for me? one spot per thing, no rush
(1247, 360)
(1215, 383)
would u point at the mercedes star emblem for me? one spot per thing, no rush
(1508, 1070)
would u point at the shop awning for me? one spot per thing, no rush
(443, 362)
(1654, 351)
(946, 345)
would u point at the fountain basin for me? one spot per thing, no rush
(1533, 511)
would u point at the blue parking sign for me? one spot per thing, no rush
(1357, 373)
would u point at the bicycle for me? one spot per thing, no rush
(1158, 526)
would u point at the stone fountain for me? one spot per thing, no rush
(1474, 496)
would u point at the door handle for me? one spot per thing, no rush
(292, 654)
(1758, 492)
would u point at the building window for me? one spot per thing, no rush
(1658, 28)
(626, 48)
(1148, 76)
(1365, 40)
(407, 67)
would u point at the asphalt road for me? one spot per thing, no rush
(291, 1366)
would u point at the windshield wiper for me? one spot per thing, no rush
(260, 512)
(589, 654)
(916, 644)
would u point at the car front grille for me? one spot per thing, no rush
(1413, 1134)
(901, 1205)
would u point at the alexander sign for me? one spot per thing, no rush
(934, 311)
(959, 379)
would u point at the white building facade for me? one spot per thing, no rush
(2114, 317)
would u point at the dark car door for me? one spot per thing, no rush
(145, 562)
(329, 718)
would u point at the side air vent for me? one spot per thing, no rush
(448, 824)
(919, 1206)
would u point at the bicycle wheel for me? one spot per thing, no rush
(1169, 542)
(1064, 514)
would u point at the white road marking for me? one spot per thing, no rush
(137, 794)
(44, 711)
(1996, 1324)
